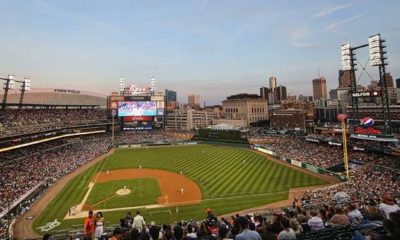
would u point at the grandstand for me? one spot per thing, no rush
(42, 143)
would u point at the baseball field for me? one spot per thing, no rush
(172, 183)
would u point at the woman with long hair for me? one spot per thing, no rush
(99, 225)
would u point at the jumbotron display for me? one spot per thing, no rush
(137, 108)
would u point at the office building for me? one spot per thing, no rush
(249, 108)
(272, 84)
(344, 79)
(319, 88)
(281, 93)
(264, 91)
(194, 101)
(189, 119)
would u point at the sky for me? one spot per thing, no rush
(211, 48)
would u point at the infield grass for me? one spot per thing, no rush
(230, 178)
(144, 192)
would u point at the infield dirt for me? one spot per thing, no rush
(174, 188)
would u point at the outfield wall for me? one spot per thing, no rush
(150, 144)
(295, 162)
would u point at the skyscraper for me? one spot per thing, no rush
(171, 95)
(264, 93)
(272, 84)
(194, 100)
(171, 100)
(281, 93)
(398, 83)
(344, 79)
(319, 88)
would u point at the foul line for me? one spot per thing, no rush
(91, 185)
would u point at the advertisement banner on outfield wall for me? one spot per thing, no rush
(311, 167)
(296, 163)
(266, 151)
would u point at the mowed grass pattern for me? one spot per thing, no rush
(144, 191)
(231, 179)
(219, 171)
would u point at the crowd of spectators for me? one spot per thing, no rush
(15, 122)
(315, 153)
(152, 136)
(366, 185)
(353, 204)
(22, 170)
(41, 165)
(344, 220)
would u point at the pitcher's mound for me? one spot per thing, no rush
(123, 191)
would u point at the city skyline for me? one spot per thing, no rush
(213, 49)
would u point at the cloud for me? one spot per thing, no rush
(331, 10)
(333, 26)
(297, 37)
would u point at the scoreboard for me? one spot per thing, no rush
(138, 112)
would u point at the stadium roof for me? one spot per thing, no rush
(57, 96)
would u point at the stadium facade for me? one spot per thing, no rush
(57, 96)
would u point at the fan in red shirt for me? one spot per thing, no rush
(88, 230)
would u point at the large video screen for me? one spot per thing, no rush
(137, 108)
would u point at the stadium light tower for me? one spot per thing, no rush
(377, 55)
(121, 85)
(26, 86)
(9, 84)
(153, 84)
(349, 64)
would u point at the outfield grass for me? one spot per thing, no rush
(231, 179)
(144, 192)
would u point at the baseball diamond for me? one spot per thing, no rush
(228, 179)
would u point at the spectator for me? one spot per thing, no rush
(88, 230)
(190, 232)
(287, 233)
(47, 236)
(138, 222)
(178, 232)
(245, 232)
(128, 220)
(388, 206)
(154, 231)
(354, 215)
(339, 219)
(117, 234)
(315, 222)
(99, 225)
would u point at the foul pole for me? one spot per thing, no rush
(342, 119)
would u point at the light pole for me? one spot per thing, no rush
(9, 84)
(26, 86)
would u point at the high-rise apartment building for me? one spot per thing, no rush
(272, 84)
(319, 88)
(194, 101)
